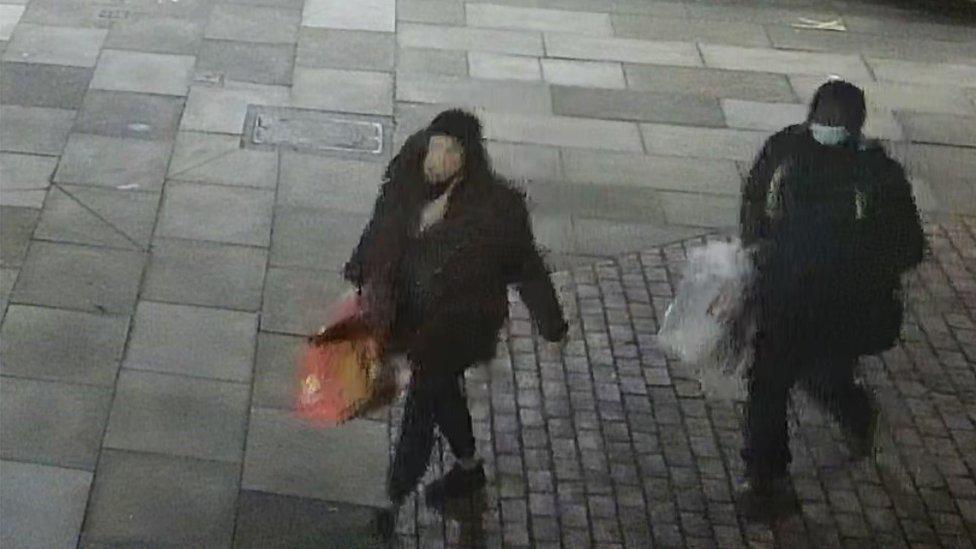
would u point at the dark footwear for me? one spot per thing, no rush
(384, 523)
(767, 499)
(862, 444)
(457, 483)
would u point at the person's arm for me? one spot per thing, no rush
(533, 282)
(899, 224)
(754, 220)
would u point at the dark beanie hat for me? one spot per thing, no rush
(459, 124)
(839, 97)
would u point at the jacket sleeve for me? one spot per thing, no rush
(753, 219)
(533, 282)
(899, 225)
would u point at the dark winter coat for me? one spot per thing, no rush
(446, 288)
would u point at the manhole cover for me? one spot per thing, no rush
(332, 133)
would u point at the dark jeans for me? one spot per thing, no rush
(431, 398)
(777, 367)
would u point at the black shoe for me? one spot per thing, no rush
(767, 498)
(457, 483)
(384, 523)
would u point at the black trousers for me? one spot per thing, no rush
(432, 398)
(778, 366)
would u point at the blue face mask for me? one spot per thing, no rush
(829, 135)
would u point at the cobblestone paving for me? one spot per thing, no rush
(613, 444)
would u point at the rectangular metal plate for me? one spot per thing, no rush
(322, 132)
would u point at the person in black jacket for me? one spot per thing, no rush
(446, 238)
(833, 226)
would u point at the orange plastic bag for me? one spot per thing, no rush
(341, 372)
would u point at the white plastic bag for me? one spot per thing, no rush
(697, 324)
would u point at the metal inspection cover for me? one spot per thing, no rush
(328, 133)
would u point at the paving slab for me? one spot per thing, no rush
(755, 115)
(910, 27)
(253, 24)
(720, 143)
(429, 61)
(435, 12)
(659, 172)
(276, 521)
(34, 130)
(601, 237)
(70, 13)
(223, 109)
(246, 61)
(53, 423)
(496, 66)
(626, 50)
(141, 499)
(563, 131)
(873, 45)
(274, 371)
(643, 106)
(10, 16)
(689, 30)
(525, 162)
(948, 74)
(233, 215)
(701, 210)
(178, 416)
(79, 277)
(43, 506)
(99, 217)
(205, 273)
(24, 179)
(287, 456)
(584, 200)
(153, 34)
(756, 86)
(107, 162)
(365, 92)
(59, 345)
(129, 115)
(934, 161)
(413, 35)
(522, 97)
(219, 159)
(534, 19)
(314, 239)
(589, 74)
(889, 95)
(158, 73)
(293, 4)
(7, 279)
(947, 129)
(37, 85)
(296, 300)
(346, 49)
(54, 45)
(333, 183)
(16, 227)
(367, 15)
(786, 62)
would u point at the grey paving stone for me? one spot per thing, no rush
(435, 12)
(194, 341)
(274, 371)
(892, 47)
(519, 97)
(344, 49)
(658, 172)
(605, 238)
(883, 96)
(329, 183)
(590, 74)
(54, 45)
(129, 115)
(205, 273)
(34, 130)
(53, 423)
(656, 27)
(521, 161)
(60, 345)
(910, 27)
(562, 131)
(11, 16)
(939, 128)
(788, 13)
(346, 464)
(413, 35)
(617, 203)
(158, 73)
(496, 66)
(700, 210)
(950, 74)
(692, 110)
(223, 109)
(143, 32)
(114, 166)
(16, 227)
(786, 62)
(99, 217)
(216, 213)
(291, 4)
(295, 299)
(721, 143)
(756, 86)
(24, 179)
(36, 85)
(246, 61)
(364, 92)
(177, 415)
(754, 115)
(79, 277)
(150, 500)
(253, 24)
(368, 15)
(934, 161)
(534, 19)
(219, 159)
(314, 239)
(42, 506)
(427, 61)
(625, 50)
(68, 13)
(7, 279)
(275, 521)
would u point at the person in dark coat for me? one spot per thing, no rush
(446, 239)
(833, 225)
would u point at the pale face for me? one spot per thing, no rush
(444, 160)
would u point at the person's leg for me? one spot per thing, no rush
(831, 383)
(415, 443)
(453, 417)
(766, 451)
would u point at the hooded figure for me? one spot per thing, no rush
(446, 239)
(833, 225)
